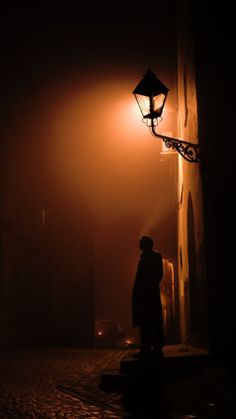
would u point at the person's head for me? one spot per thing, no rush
(146, 243)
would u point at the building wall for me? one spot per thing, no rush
(191, 255)
(47, 278)
(170, 306)
(215, 76)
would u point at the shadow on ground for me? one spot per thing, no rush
(183, 388)
(180, 386)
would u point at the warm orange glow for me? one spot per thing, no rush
(128, 341)
(107, 155)
(158, 102)
(100, 333)
(144, 103)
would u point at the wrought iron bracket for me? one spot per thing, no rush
(189, 151)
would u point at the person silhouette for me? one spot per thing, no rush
(146, 299)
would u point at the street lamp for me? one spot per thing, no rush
(151, 95)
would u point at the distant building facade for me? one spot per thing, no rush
(47, 260)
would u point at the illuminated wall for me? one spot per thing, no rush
(191, 266)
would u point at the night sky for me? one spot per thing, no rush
(105, 34)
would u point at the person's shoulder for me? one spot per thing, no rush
(157, 254)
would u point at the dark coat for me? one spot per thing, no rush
(146, 299)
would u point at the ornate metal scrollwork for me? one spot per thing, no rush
(188, 151)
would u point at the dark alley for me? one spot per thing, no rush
(85, 176)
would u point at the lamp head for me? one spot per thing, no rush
(151, 95)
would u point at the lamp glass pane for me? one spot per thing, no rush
(158, 102)
(144, 104)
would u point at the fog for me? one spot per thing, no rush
(70, 81)
(102, 149)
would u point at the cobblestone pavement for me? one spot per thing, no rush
(64, 383)
(30, 383)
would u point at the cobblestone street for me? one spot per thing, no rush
(30, 383)
(65, 383)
